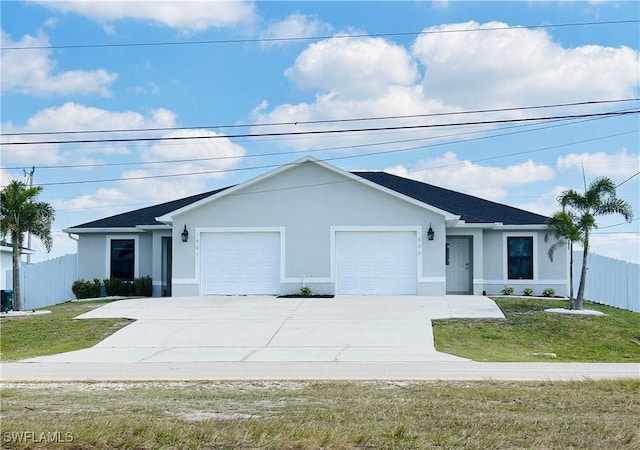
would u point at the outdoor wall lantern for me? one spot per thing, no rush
(430, 233)
(185, 234)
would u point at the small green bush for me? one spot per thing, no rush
(549, 292)
(306, 291)
(86, 289)
(528, 292)
(143, 287)
(508, 290)
(140, 287)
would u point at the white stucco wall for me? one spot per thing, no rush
(93, 251)
(547, 273)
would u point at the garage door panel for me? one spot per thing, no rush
(376, 262)
(242, 263)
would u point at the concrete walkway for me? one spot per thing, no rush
(269, 329)
(444, 370)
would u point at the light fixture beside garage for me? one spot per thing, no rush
(185, 234)
(430, 233)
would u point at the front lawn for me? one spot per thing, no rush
(322, 415)
(47, 334)
(530, 334)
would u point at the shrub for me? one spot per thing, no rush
(527, 292)
(306, 291)
(508, 290)
(549, 292)
(86, 289)
(143, 287)
(140, 287)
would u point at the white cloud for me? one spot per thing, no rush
(187, 16)
(75, 117)
(368, 77)
(213, 153)
(624, 246)
(488, 182)
(546, 203)
(616, 165)
(519, 66)
(295, 26)
(32, 71)
(353, 67)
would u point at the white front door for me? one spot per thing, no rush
(242, 263)
(458, 265)
(376, 262)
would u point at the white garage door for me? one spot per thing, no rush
(376, 262)
(244, 263)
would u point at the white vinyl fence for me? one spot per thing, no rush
(609, 281)
(48, 282)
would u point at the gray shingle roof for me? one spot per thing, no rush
(146, 216)
(471, 209)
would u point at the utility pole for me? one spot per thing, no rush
(29, 176)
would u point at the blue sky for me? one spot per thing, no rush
(349, 60)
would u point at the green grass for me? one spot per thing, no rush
(530, 334)
(47, 334)
(314, 415)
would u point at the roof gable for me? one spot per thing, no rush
(168, 218)
(453, 205)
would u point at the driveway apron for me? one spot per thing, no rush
(270, 329)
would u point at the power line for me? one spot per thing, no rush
(326, 121)
(324, 149)
(146, 177)
(322, 132)
(313, 38)
(618, 224)
(631, 177)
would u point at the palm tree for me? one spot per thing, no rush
(564, 227)
(599, 199)
(20, 214)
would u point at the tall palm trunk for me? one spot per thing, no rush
(579, 302)
(17, 295)
(571, 299)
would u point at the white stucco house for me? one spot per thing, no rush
(313, 224)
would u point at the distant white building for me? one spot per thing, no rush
(6, 261)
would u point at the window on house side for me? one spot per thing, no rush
(122, 259)
(520, 258)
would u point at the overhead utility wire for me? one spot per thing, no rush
(628, 179)
(145, 177)
(325, 149)
(320, 132)
(313, 38)
(315, 150)
(375, 153)
(315, 122)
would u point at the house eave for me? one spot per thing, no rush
(103, 230)
(154, 227)
(539, 227)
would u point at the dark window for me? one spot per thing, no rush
(123, 259)
(520, 258)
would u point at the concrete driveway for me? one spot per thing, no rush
(269, 329)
